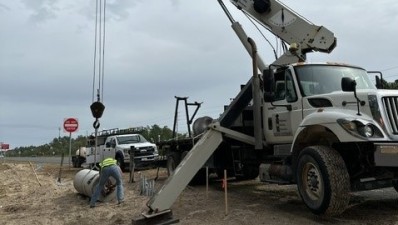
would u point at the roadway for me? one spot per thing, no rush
(48, 159)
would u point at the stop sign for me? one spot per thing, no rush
(71, 125)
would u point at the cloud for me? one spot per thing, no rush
(155, 50)
(41, 10)
(4, 7)
(114, 9)
(120, 10)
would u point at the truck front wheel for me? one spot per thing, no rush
(322, 180)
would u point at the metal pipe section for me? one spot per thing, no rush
(243, 38)
(86, 181)
(258, 132)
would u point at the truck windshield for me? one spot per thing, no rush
(131, 139)
(323, 79)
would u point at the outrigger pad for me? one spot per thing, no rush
(161, 219)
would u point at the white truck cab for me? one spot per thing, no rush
(145, 152)
(311, 94)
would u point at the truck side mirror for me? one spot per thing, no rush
(348, 84)
(379, 84)
(108, 144)
(379, 78)
(268, 79)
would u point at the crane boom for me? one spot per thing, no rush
(302, 35)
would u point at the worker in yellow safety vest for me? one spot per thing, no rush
(109, 168)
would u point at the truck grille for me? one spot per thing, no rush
(144, 151)
(391, 107)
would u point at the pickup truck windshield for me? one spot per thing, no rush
(131, 139)
(323, 79)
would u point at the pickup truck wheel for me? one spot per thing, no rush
(74, 163)
(323, 181)
(173, 160)
(120, 163)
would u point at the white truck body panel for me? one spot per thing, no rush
(102, 153)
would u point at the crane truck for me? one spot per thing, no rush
(322, 126)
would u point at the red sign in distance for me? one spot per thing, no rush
(71, 125)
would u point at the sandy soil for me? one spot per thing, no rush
(27, 199)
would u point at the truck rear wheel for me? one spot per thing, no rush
(249, 172)
(173, 160)
(323, 181)
(199, 178)
(395, 184)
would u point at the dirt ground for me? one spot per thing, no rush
(27, 199)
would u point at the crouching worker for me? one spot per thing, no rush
(109, 168)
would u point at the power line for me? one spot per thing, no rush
(391, 76)
(391, 68)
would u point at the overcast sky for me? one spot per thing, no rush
(155, 50)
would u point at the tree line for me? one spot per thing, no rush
(152, 133)
(389, 85)
(60, 145)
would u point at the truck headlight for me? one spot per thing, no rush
(347, 125)
(366, 131)
(360, 129)
(155, 149)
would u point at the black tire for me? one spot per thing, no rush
(323, 181)
(395, 184)
(249, 172)
(74, 163)
(173, 159)
(199, 178)
(183, 154)
(120, 163)
(220, 173)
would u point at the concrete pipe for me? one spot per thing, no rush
(200, 125)
(86, 180)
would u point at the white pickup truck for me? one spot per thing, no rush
(145, 152)
(119, 144)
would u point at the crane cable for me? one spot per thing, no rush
(97, 108)
(262, 34)
(99, 50)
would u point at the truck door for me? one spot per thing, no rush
(285, 112)
(110, 142)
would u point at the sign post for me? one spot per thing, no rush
(70, 125)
